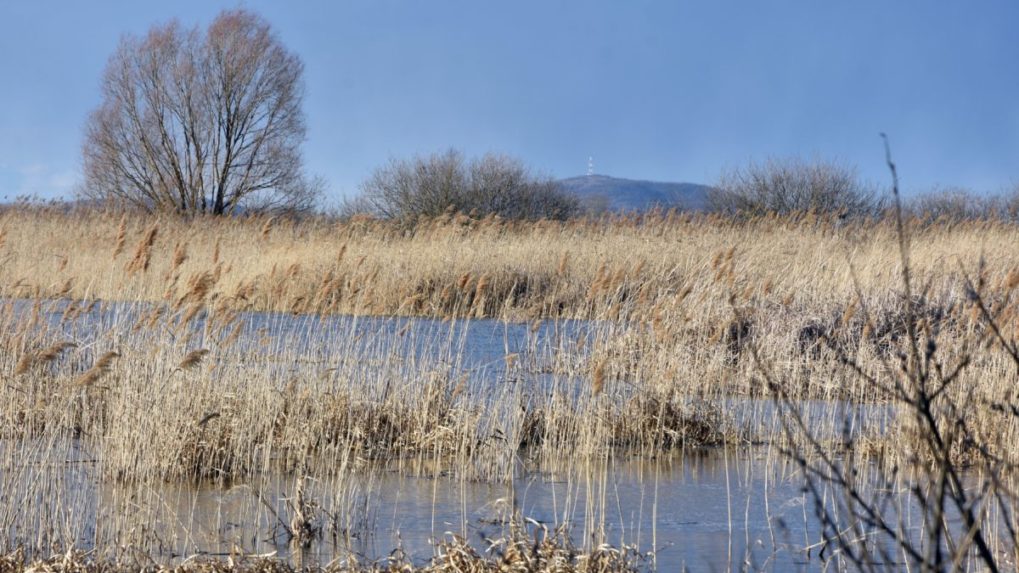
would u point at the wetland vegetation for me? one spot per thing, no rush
(147, 359)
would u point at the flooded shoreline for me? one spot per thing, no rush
(706, 507)
(323, 440)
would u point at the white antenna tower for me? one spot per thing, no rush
(590, 166)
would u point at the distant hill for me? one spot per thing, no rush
(616, 194)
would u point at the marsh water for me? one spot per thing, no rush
(712, 509)
(709, 510)
(715, 509)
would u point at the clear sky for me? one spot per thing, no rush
(666, 90)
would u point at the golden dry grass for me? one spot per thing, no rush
(680, 300)
(463, 267)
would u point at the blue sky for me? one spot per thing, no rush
(673, 91)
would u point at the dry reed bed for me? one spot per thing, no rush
(175, 385)
(626, 268)
(682, 304)
(183, 398)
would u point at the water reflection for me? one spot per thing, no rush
(714, 509)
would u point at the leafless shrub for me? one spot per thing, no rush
(200, 122)
(791, 186)
(953, 204)
(430, 186)
(1009, 201)
(956, 204)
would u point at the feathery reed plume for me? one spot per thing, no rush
(3, 237)
(598, 377)
(850, 312)
(70, 312)
(65, 288)
(617, 278)
(52, 352)
(1012, 279)
(121, 239)
(199, 286)
(215, 252)
(479, 296)
(24, 364)
(479, 290)
(192, 359)
(267, 227)
(154, 316)
(43, 356)
(180, 254)
(101, 367)
(143, 252)
(327, 289)
(189, 315)
(234, 335)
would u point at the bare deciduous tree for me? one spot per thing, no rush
(430, 186)
(792, 185)
(200, 122)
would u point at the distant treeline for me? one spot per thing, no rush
(795, 186)
(407, 191)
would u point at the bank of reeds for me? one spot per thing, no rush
(127, 348)
(662, 363)
(626, 268)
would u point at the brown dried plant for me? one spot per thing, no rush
(98, 370)
(143, 251)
